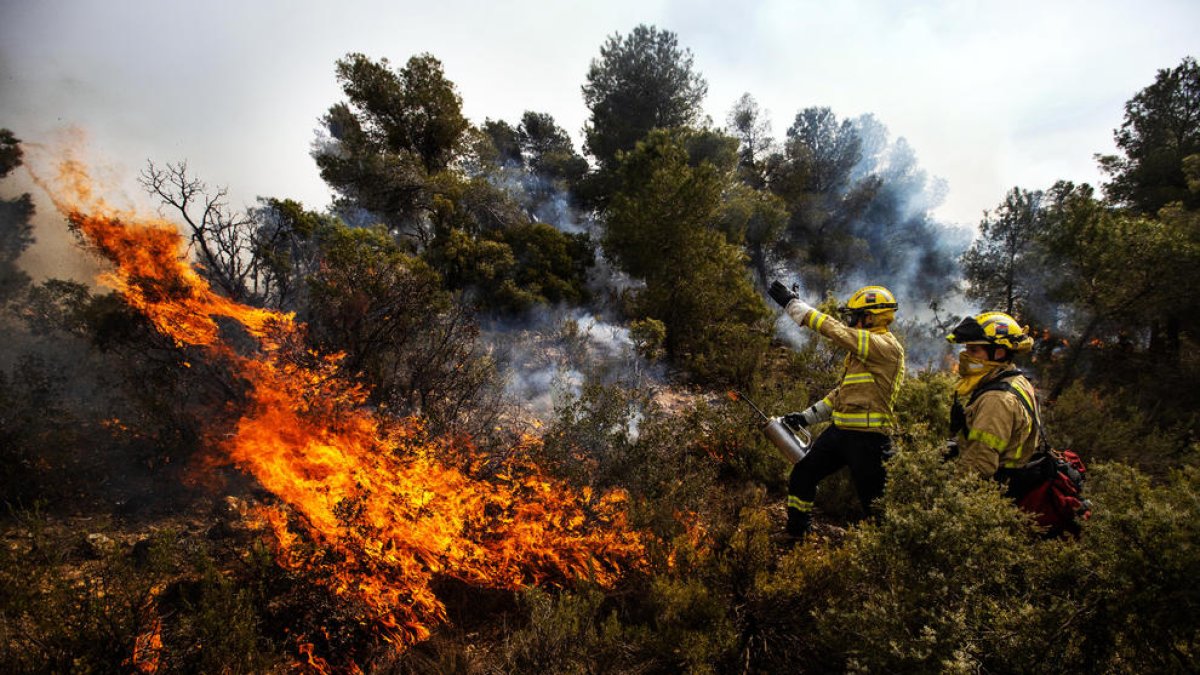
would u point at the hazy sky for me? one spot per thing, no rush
(990, 95)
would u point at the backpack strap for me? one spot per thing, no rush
(1003, 382)
(998, 383)
(1043, 444)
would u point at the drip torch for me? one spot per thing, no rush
(792, 444)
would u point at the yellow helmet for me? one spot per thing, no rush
(872, 300)
(992, 328)
(875, 300)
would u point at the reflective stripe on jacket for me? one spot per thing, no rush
(1000, 432)
(866, 397)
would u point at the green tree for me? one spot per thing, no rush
(1161, 129)
(642, 81)
(396, 130)
(998, 263)
(506, 141)
(548, 149)
(748, 122)
(16, 228)
(814, 175)
(661, 229)
(1117, 269)
(551, 265)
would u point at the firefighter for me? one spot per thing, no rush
(861, 406)
(994, 416)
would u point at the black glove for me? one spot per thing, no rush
(781, 294)
(795, 420)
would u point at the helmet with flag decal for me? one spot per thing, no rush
(874, 300)
(992, 329)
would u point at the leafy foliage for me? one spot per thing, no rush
(398, 328)
(642, 81)
(660, 229)
(997, 265)
(16, 228)
(1161, 129)
(397, 130)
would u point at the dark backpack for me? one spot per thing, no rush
(1050, 486)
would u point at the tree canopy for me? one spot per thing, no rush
(642, 81)
(1161, 129)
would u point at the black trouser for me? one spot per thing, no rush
(862, 451)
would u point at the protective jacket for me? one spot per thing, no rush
(874, 369)
(996, 430)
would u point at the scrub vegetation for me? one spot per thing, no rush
(130, 545)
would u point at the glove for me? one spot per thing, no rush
(781, 294)
(795, 420)
(817, 412)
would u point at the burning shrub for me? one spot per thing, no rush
(372, 508)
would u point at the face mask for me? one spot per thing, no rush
(971, 371)
(970, 365)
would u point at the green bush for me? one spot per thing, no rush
(1142, 559)
(565, 634)
(66, 606)
(923, 406)
(1107, 427)
(922, 588)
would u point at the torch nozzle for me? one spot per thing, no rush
(743, 397)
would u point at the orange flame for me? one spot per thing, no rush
(147, 650)
(373, 505)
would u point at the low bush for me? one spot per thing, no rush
(1107, 427)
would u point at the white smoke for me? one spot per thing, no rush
(549, 354)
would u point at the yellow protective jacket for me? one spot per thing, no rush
(874, 370)
(999, 433)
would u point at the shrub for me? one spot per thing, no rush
(923, 406)
(165, 604)
(563, 635)
(922, 588)
(1142, 561)
(1107, 427)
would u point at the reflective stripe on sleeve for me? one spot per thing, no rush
(1028, 427)
(991, 440)
(795, 502)
(897, 383)
(816, 319)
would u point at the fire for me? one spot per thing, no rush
(373, 506)
(147, 650)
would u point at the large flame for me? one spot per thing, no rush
(374, 507)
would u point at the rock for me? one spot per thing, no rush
(97, 545)
(230, 509)
(141, 553)
(222, 529)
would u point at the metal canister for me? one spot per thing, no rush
(793, 445)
